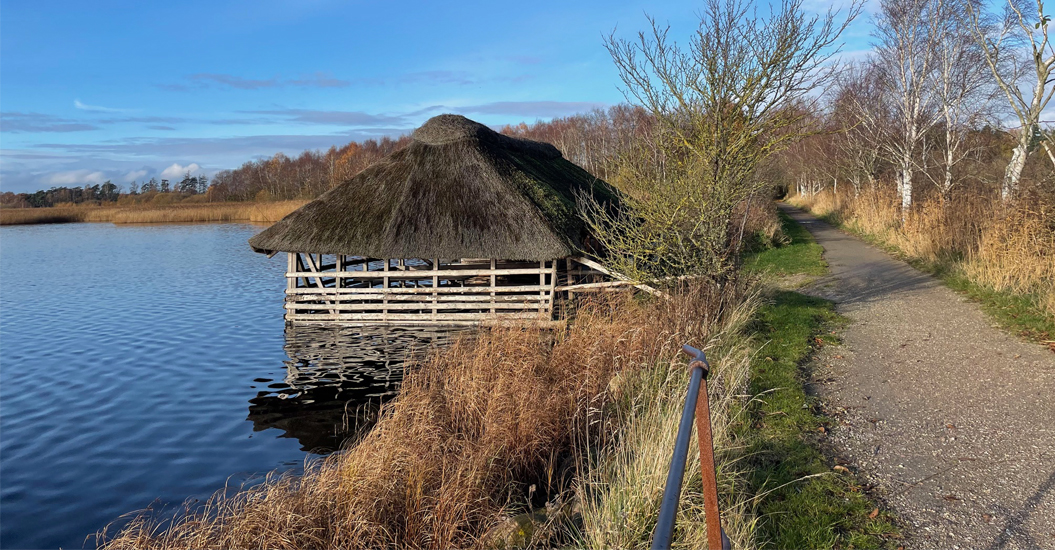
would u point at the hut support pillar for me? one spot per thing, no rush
(494, 282)
(384, 293)
(542, 287)
(435, 285)
(552, 285)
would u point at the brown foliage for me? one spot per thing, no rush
(471, 429)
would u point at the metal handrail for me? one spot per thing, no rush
(696, 405)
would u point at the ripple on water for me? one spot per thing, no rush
(139, 365)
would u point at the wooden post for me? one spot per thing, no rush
(291, 267)
(552, 285)
(435, 286)
(384, 293)
(338, 267)
(570, 282)
(494, 282)
(542, 286)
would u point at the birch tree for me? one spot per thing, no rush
(962, 87)
(907, 34)
(861, 117)
(1021, 58)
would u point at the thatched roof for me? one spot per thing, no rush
(458, 190)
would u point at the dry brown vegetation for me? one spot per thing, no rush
(566, 423)
(263, 212)
(1008, 248)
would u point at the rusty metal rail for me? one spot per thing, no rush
(696, 405)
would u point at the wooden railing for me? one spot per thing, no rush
(698, 407)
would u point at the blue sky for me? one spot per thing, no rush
(101, 90)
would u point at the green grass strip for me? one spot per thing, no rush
(784, 441)
(805, 503)
(801, 256)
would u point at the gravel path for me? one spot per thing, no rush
(951, 419)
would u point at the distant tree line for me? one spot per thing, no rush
(105, 192)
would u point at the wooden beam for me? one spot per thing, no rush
(422, 274)
(424, 290)
(590, 263)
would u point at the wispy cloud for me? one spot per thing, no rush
(96, 108)
(234, 82)
(143, 119)
(319, 80)
(231, 81)
(437, 77)
(162, 128)
(360, 119)
(529, 109)
(333, 118)
(16, 122)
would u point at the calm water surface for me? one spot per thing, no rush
(147, 364)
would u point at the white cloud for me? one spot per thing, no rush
(176, 171)
(75, 177)
(95, 108)
(134, 175)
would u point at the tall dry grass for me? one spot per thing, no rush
(569, 426)
(1003, 248)
(623, 486)
(266, 212)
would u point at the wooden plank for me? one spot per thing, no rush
(590, 263)
(445, 273)
(538, 323)
(415, 298)
(382, 308)
(594, 286)
(403, 317)
(442, 290)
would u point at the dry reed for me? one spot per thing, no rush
(267, 212)
(1006, 249)
(483, 425)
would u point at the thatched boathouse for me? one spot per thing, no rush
(463, 225)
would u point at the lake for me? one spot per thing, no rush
(142, 365)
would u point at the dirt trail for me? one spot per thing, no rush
(951, 418)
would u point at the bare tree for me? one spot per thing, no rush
(861, 118)
(1020, 45)
(908, 33)
(723, 104)
(962, 86)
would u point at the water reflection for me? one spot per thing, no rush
(335, 380)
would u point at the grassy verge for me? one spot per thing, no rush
(801, 256)
(1018, 313)
(264, 212)
(803, 502)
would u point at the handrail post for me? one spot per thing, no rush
(696, 406)
(709, 477)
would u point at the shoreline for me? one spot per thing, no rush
(260, 212)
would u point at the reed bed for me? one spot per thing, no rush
(569, 428)
(1003, 248)
(263, 212)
